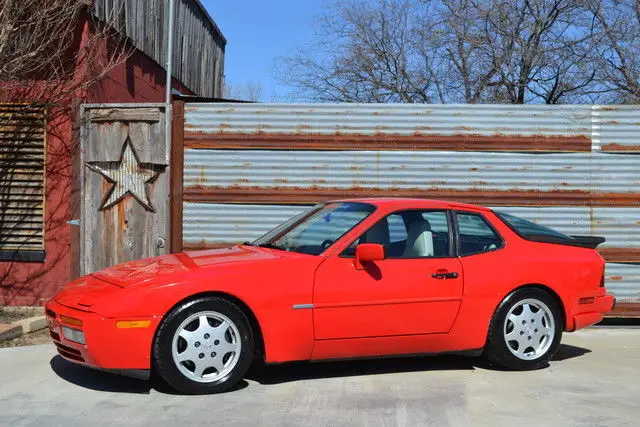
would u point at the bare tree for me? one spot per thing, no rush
(365, 52)
(444, 51)
(249, 91)
(51, 53)
(619, 31)
(47, 54)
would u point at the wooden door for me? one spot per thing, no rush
(125, 185)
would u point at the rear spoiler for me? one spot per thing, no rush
(590, 242)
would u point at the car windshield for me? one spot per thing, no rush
(313, 231)
(527, 228)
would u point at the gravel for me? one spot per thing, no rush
(33, 338)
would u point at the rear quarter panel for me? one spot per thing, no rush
(567, 271)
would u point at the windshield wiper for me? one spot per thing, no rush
(272, 246)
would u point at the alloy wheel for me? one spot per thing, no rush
(529, 329)
(206, 346)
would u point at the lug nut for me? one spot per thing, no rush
(206, 336)
(213, 354)
(197, 344)
(201, 355)
(216, 342)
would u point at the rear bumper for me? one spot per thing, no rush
(107, 347)
(591, 309)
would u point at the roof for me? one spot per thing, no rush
(394, 202)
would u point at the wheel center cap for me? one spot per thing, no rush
(208, 347)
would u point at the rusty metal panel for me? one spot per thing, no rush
(207, 224)
(618, 127)
(392, 169)
(624, 281)
(215, 224)
(22, 177)
(394, 119)
(572, 168)
(616, 174)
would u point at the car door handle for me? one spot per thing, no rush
(445, 275)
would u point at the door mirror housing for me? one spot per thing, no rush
(366, 252)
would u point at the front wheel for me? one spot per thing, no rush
(525, 330)
(204, 346)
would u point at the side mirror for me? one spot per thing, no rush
(367, 252)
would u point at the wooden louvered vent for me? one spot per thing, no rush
(22, 163)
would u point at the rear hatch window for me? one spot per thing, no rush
(539, 233)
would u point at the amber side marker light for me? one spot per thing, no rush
(586, 300)
(129, 324)
(70, 320)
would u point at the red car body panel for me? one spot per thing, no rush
(321, 307)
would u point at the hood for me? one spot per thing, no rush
(145, 270)
(82, 293)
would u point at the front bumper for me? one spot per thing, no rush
(590, 309)
(107, 346)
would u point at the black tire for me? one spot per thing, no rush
(163, 355)
(497, 348)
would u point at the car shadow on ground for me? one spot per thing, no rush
(94, 379)
(276, 374)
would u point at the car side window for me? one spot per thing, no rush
(475, 235)
(409, 234)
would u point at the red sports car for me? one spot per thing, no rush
(345, 279)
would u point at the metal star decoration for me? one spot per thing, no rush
(128, 176)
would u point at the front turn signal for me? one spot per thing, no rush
(130, 324)
(71, 321)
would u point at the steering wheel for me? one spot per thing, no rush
(324, 245)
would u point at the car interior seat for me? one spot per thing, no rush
(419, 240)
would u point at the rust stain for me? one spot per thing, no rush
(615, 278)
(314, 194)
(281, 181)
(629, 309)
(122, 218)
(388, 141)
(619, 148)
(620, 254)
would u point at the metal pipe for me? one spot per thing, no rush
(167, 99)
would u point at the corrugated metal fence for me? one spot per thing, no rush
(248, 167)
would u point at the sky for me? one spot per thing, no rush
(257, 33)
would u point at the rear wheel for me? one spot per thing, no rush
(204, 346)
(525, 330)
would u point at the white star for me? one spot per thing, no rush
(128, 176)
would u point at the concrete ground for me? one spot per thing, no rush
(594, 381)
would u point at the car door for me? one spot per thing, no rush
(416, 289)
